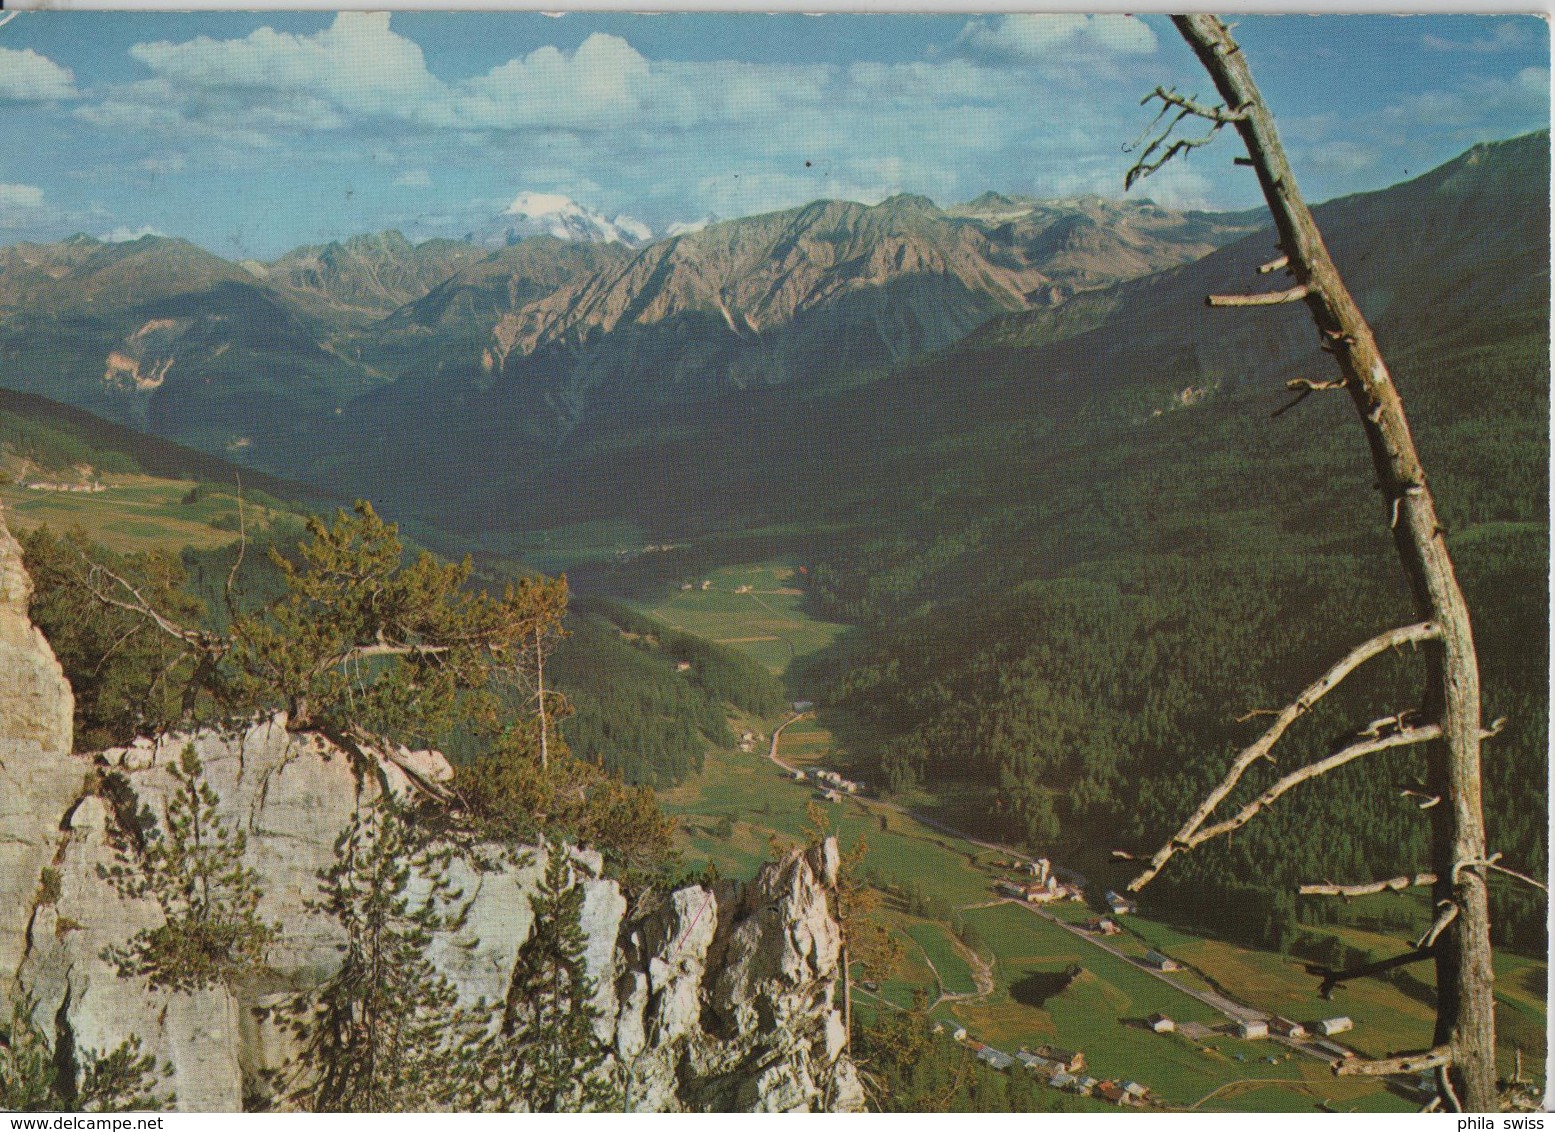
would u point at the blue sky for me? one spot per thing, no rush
(250, 133)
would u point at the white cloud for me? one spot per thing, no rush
(1477, 104)
(20, 196)
(1026, 38)
(659, 139)
(598, 85)
(357, 64)
(1508, 35)
(26, 76)
(1344, 158)
(124, 234)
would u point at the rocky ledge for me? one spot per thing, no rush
(720, 998)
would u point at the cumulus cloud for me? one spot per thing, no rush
(20, 196)
(124, 234)
(1526, 95)
(600, 84)
(1028, 38)
(357, 64)
(26, 76)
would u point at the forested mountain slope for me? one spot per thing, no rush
(1080, 548)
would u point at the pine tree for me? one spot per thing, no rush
(193, 868)
(34, 1078)
(386, 1033)
(546, 1055)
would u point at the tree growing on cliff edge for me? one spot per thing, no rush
(386, 1032)
(360, 644)
(865, 940)
(545, 1055)
(35, 1076)
(1448, 722)
(364, 643)
(193, 868)
(129, 676)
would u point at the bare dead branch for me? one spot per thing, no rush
(1268, 299)
(1447, 912)
(1429, 799)
(1274, 265)
(1525, 878)
(1170, 97)
(1403, 737)
(1493, 864)
(1409, 1064)
(1315, 386)
(1393, 638)
(1392, 884)
(136, 603)
(1494, 729)
(1186, 108)
(1303, 389)
(237, 563)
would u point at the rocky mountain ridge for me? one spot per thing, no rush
(717, 997)
(255, 359)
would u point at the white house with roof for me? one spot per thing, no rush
(1119, 904)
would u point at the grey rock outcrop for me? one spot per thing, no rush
(38, 778)
(713, 998)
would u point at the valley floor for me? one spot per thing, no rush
(997, 967)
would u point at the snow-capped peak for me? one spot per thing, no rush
(551, 214)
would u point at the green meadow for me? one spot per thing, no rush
(755, 609)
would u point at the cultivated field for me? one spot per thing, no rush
(135, 513)
(754, 609)
(1100, 1012)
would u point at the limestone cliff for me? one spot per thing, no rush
(718, 998)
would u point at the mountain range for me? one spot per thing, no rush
(1011, 446)
(254, 359)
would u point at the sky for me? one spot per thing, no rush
(251, 133)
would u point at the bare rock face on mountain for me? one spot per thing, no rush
(38, 778)
(713, 999)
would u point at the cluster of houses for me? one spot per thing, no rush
(1258, 1029)
(829, 785)
(1040, 885)
(1061, 1069)
(1254, 1029)
(78, 488)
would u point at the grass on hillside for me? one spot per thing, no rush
(766, 622)
(1094, 1014)
(135, 513)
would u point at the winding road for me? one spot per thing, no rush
(1228, 1007)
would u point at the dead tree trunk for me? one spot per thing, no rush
(1464, 1045)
